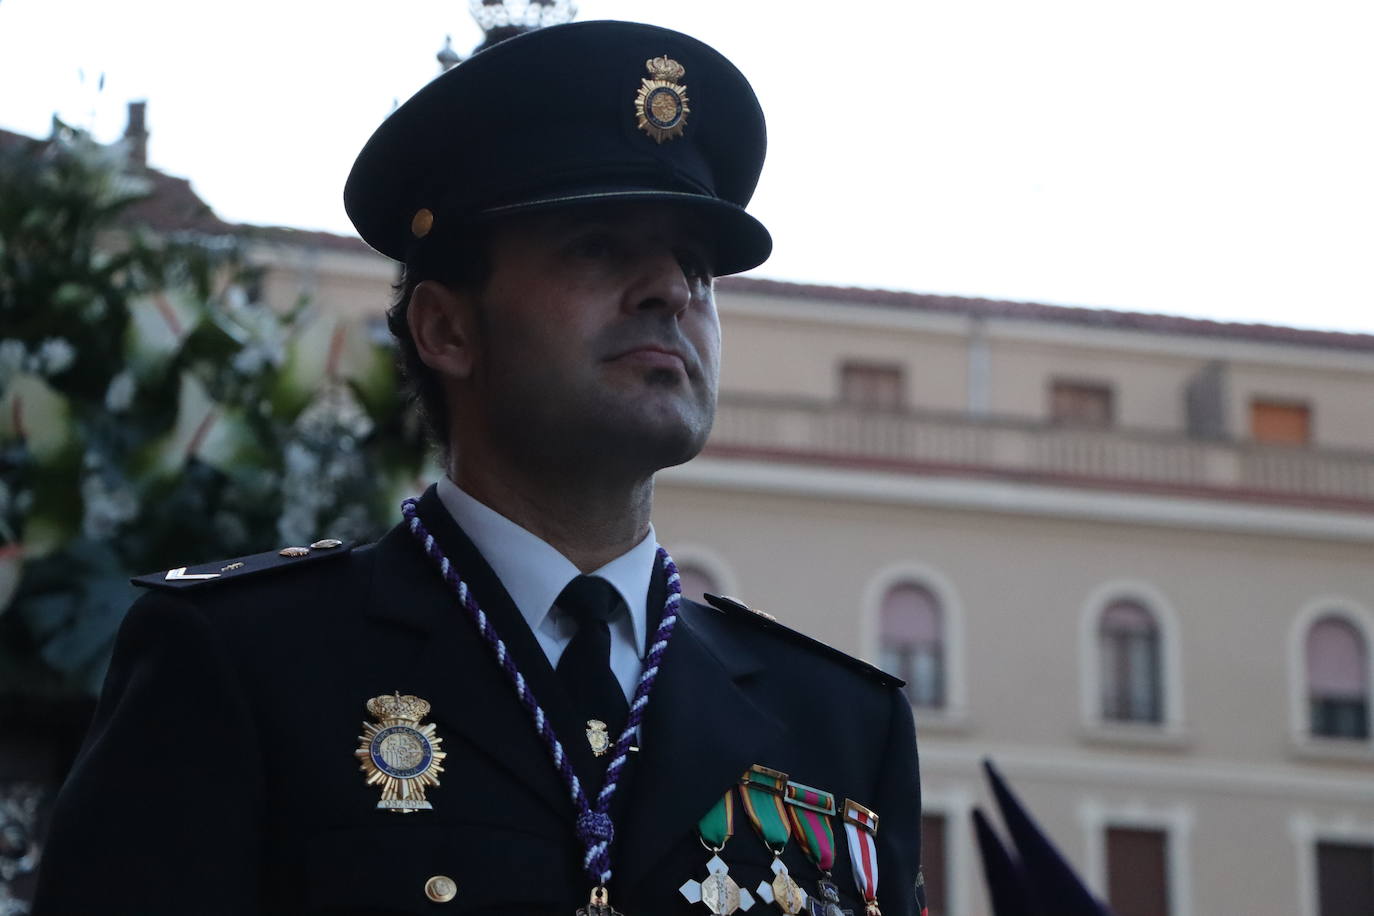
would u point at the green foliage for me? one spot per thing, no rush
(151, 416)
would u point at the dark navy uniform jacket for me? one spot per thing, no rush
(219, 774)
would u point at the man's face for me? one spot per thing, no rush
(599, 338)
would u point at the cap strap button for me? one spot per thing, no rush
(421, 223)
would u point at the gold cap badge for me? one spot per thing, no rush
(661, 105)
(399, 754)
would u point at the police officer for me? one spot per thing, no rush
(505, 705)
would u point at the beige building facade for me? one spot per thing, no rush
(1128, 557)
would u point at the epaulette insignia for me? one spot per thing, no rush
(183, 577)
(768, 622)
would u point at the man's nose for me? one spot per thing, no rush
(660, 284)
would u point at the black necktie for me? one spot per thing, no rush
(585, 666)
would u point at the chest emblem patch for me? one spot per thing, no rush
(399, 754)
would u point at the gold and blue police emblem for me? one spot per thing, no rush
(399, 754)
(661, 105)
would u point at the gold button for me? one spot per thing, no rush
(421, 223)
(441, 889)
(327, 544)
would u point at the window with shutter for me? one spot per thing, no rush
(1129, 649)
(911, 643)
(1337, 679)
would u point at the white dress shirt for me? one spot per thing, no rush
(534, 573)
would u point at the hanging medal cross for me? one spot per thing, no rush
(761, 790)
(783, 891)
(718, 892)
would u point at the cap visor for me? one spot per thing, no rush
(741, 241)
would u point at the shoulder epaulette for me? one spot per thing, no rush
(233, 570)
(738, 610)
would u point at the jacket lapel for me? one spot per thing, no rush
(456, 671)
(702, 732)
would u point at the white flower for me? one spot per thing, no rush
(249, 360)
(56, 354)
(120, 394)
(301, 461)
(333, 414)
(106, 507)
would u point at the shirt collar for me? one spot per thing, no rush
(534, 573)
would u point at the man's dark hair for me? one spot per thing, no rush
(458, 261)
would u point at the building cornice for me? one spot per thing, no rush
(1084, 769)
(991, 495)
(1301, 350)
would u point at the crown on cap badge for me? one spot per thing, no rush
(661, 105)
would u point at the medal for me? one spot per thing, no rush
(761, 790)
(809, 811)
(399, 754)
(598, 905)
(594, 827)
(861, 829)
(718, 892)
(828, 901)
(598, 737)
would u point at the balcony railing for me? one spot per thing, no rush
(781, 428)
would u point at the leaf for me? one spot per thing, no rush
(196, 414)
(315, 345)
(372, 376)
(159, 323)
(32, 412)
(230, 442)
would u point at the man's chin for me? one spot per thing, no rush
(659, 440)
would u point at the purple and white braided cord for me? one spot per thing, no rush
(594, 826)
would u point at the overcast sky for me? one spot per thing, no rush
(1202, 158)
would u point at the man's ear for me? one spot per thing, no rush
(444, 327)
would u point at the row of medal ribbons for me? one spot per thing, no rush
(781, 811)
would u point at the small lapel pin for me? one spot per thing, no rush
(598, 737)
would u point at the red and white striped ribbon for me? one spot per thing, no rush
(861, 828)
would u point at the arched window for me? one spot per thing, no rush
(1337, 679)
(911, 644)
(696, 581)
(1129, 648)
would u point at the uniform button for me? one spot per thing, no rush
(441, 889)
